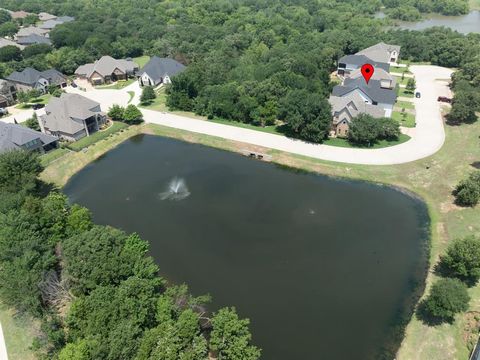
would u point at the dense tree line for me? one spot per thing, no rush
(411, 9)
(97, 292)
(249, 61)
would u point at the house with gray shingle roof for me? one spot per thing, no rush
(5, 42)
(15, 137)
(29, 30)
(51, 24)
(71, 117)
(382, 53)
(33, 39)
(43, 16)
(346, 108)
(106, 70)
(159, 71)
(31, 78)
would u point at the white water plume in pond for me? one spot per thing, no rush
(176, 190)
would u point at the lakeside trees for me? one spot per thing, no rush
(94, 288)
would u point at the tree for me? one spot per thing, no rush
(464, 105)
(467, 192)
(32, 123)
(148, 95)
(8, 29)
(23, 97)
(366, 130)
(36, 49)
(411, 85)
(10, 53)
(447, 298)
(306, 115)
(132, 115)
(4, 16)
(463, 258)
(30, 19)
(116, 112)
(230, 337)
(19, 170)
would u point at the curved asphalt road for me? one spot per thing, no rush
(426, 139)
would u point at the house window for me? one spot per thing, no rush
(374, 103)
(342, 66)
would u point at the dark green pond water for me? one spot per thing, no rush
(324, 268)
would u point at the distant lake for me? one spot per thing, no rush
(465, 24)
(324, 268)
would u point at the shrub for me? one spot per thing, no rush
(116, 112)
(32, 123)
(447, 298)
(148, 94)
(366, 130)
(463, 258)
(467, 192)
(132, 115)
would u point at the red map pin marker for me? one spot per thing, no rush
(367, 72)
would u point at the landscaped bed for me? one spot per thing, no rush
(97, 136)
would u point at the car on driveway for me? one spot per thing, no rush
(418, 95)
(444, 99)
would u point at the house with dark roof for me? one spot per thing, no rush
(106, 70)
(346, 108)
(71, 117)
(33, 39)
(380, 56)
(29, 30)
(372, 93)
(5, 42)
(159, 71)
(51, 24)
(31, 78)
(14, 137)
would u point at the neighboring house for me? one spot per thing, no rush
(350, 63)
(373, 93)
(14, 137)
(5, 42)
(33, 39)
(106, 70)
(387, 81)
(346, 108)
(71, 117)
(31, 78)
(50, 24)
(383, 53)
(43, 16)
(19, 14)
(159, 71)
(8, 93)
(31, 30)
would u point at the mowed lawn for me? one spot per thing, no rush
(141, 60)
(19, 332)
(404, 119)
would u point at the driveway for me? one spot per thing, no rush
(426, 139)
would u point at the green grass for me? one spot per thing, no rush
(405, 105)
(44, 99)
(404, 93)
(141, 60)
(97, 136)
(52, 155)
(120, 84)
(381, 144)
(408, 121)
(19, 332)
(131, 94)
(268, 129)
(159, 104)
(397, 69)
(400, 81)
(474, 4)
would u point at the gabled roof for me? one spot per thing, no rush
(378, 74)
(44, 16)
(106, 65)
(19, 14)
(30, 76)
(373, 90)
(50, 24)
(13, 136)
(31, 30)
(354, 104)
(379, 52)
(67, 112)
(158, 67)
(33, 39)
(5, 42)
(359, 60)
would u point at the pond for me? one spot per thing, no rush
(324, 268)
(464, 24)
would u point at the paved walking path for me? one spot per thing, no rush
(427, 138)
(3, 347)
